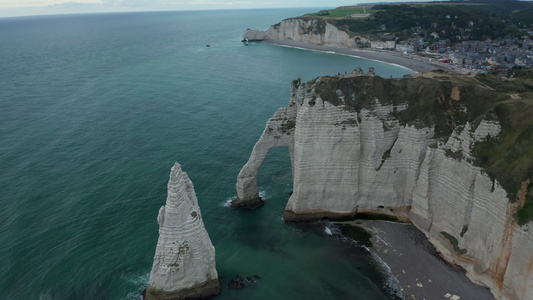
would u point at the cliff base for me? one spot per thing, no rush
(209, 289)
(398, 214)
(316, 215)
(249, 204)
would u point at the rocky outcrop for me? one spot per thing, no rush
(278, 132)
(253, 35)
(403, 148)
(184, 261)
(308, 30)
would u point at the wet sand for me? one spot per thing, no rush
(413, 62)
(422, 273)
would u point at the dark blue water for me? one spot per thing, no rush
(95, 109)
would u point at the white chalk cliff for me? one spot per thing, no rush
(308, 30)
(184, 261)
(357, 149)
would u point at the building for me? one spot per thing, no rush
(382, 44)
(405, 48)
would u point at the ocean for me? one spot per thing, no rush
(94, 111)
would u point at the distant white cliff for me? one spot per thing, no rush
(359, 145)
(184, 261)
(308, 30)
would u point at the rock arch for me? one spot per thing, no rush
(279, 131)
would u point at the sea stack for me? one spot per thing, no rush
(184, 261)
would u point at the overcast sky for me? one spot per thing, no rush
(10, 8)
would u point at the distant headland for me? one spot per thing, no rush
(463, 37)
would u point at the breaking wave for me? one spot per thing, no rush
(140, 282)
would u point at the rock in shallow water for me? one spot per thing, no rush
(236, 284)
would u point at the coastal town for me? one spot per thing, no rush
(473, 55)
(470, 36)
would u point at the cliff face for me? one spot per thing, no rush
(308, 30)
(403, 148)
(184, 261)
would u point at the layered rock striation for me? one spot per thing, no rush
(363, 145)
(303, 29)
(184, 261)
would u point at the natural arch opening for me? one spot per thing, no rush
(275, 177)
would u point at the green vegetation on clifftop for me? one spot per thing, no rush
(344, 11)
(508, 157)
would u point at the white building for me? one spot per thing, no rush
(405, 48)
(382, 44)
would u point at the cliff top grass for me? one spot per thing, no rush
(362, 11)
(507, 158)
(344, 11)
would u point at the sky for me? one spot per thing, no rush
(10, 8)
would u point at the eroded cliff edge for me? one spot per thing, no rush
(304, 29)
(415, 149)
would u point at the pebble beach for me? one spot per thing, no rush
(410, 61)
(413, 260)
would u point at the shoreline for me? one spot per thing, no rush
(420, 270)
(409, 61)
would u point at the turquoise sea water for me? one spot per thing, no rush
(95, 109)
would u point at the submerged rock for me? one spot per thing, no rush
(184, 261)
(250, 280)
(236, 284)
